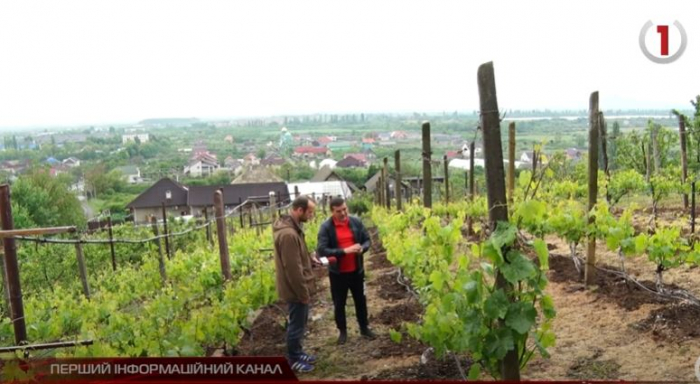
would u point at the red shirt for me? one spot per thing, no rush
(348, 262)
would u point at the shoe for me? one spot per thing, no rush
(310, 359)
(343, 338)
(301, 367)
(367, 333)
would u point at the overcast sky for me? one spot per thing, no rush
(91, 62)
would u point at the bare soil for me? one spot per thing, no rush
(611, 331)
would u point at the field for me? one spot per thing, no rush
(612, 332)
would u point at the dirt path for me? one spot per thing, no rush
(389, 304)
(612, 332)
(615, 332)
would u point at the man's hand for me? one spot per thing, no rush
(356, 248)
(314, 259)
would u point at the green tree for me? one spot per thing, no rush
(99, 181)
(38, 199)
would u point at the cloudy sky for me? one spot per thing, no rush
(91, 62)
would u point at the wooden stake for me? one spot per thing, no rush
(692, 212)
(240, 210)
(387, 191)
(5, 287)
(472, 187)
(111, 243)
(161, 260)
(427, 168)
(166, 233)
(593, 138)
(82, 270)
(221, 234)
(273, 207)
(206, 220)
(684, 156)
(447, 180)
(511, 162)
(398, 189)
(12, 268)
(496, 186)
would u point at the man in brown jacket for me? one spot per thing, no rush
(294, 277)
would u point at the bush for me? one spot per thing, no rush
(359, 204)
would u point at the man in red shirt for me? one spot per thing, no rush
(342, 241)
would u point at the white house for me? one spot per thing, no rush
(464, 163)
(143, 137)
(330, 163)
(466, 153)
(131, 173)
(71, 162)
(201, 168)
(319, 188)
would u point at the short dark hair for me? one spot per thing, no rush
(301, 202)
(337, 202)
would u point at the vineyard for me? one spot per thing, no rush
(567, 271)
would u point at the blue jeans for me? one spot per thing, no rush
(298, 315)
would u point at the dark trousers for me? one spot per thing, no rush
(340, 284)
(298, 315)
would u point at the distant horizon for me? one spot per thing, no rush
(524, 112)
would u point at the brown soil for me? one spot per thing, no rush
(379, 261)
(407, 347)
(266, 337)
(610, 286)
(394, 316)
(445, 369)
(677, 323)
(604, 333)
(594, 368)
(391, 289)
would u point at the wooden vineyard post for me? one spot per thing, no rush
(466, 184)
(603, 138)
(496, 186)
(261, 218)
(655, 148)
(161, 260)
(511, 161)
(165, 232)
(692, 212)
(111, 243)
(82, 269)
(380, 187)
(398, 190)
(472, 190)
(593, 138)
(447, 180)
(240, 211)
(221, 235)
(273, 207)
(296, 191)
(3, 276)
(647, 160)
(206, 220)
(684, 156)
(12, 268)
(387, 191)
(427, 170)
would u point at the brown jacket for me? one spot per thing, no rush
(292, 261)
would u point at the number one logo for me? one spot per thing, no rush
(662, 30)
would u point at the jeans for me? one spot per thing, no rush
(340, 285)
(298, 315)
